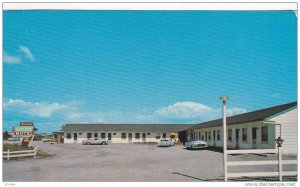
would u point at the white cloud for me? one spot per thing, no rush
(11, 59)
(74, 112)
(84, 117)
(235, 111)
(66, 112)
(180, 112)
(274, 95)
(43, 110)
(184, 110)
(26, 51)
(189, 112)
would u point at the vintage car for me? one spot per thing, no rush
(46, 140)
(195, 144)
(95, 142)
(165, 143)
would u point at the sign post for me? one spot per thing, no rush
(26, 132)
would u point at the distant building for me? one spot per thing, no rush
(124, 133)
(43, 134)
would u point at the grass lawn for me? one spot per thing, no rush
(15, 147)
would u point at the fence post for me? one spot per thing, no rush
(280, 163)
(8, 154)
(35, 151)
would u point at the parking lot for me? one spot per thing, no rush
(118, 162)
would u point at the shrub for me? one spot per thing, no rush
(15, 147)
(44, 154)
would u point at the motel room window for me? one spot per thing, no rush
(137, 135)
(114, 133)
(80, 133)
(157, 136)
(209, 134)
(230, 135)
(244, 134)
(218, 135)
(89, 135)
(148, 134)
(164, 135)
(102, 135)
(199, 134)
(123, 135)
(264, 134)
(68, 135)
(205, 136)
(95, 135)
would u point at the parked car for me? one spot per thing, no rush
(46, 140)
(165, 143)
(195, 144)
(95, 142)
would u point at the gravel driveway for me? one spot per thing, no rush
(117, 162)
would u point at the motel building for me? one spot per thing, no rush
(253, 130)
(125, 133)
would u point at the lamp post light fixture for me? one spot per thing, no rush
(279, 142)
(224, 99)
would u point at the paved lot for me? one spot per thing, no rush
(119, 162)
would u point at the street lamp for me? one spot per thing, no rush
(224, 99)
(279, 142)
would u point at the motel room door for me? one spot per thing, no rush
(237, 138)
(254, 129)
(109, 137)
(144, 137)
(130, 138)
(214, 138)
(75, 137)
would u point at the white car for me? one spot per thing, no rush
(95, 142)
(195, 144)
(165, 143)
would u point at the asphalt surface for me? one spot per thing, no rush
(121, 163)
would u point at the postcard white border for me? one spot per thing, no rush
(149, 6)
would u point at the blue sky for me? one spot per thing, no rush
(144, 66)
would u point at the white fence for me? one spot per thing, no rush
(278, 162)
(13, 154)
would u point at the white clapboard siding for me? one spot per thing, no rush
(289, 129)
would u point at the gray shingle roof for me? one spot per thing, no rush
(126, 127)
(257, 115)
